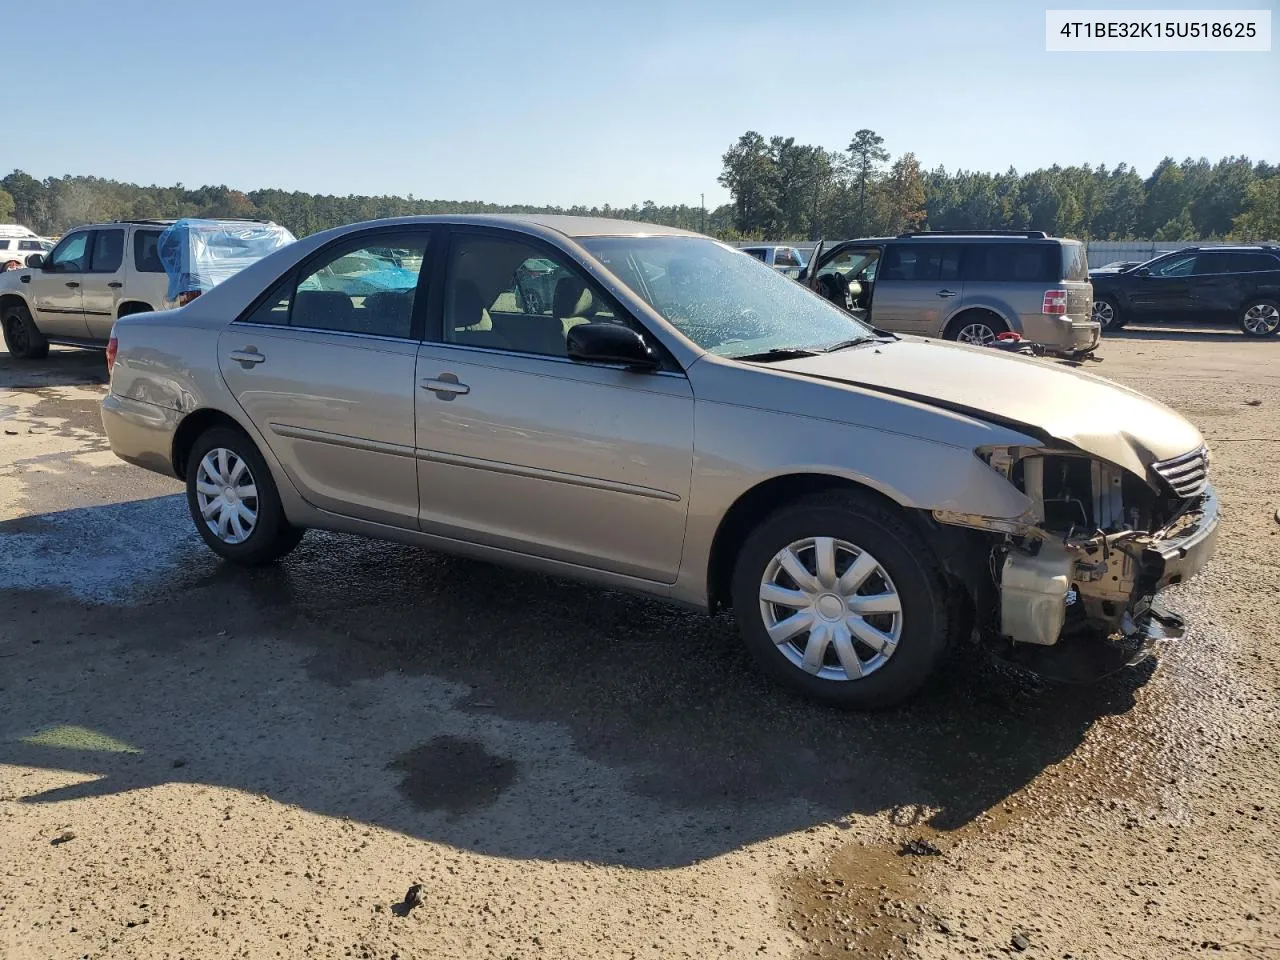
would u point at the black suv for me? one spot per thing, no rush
(1238, 284)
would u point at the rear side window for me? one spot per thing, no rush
(108, 251)
(921, 261)
(32, 246)
(145, 257)
(4, 244)
(1252, 262)
(1075, 262)
(755, 252)
(1014, 262)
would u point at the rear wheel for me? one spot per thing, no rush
(839, 598)
(978, 328)
(234, 501)
(1106, 313)
(1261, 318)
(21, 336)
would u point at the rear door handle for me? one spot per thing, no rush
(72, 283)
(115, 284)
(247, 357)
(944, 293)
(446, 386)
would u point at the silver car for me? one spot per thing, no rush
(679, 420)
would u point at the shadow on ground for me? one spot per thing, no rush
(1206, 333)
(505, 712)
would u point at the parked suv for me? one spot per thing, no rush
(786, 260)
(968, 287)
(74, 294)
(17, 243)
(1232, 284)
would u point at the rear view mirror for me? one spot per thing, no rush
(35, 261)
(602, 342)
(1142, 272)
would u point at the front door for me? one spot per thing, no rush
(846, 276)
(917, 288)
(1165, 291)
(522, 448)
(56, 288)
(102, 283)
(324, 367)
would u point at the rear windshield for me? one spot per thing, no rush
(1075, 265)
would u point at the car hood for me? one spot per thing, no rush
(1038, 397)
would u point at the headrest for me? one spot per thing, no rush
(468, 305)
(573, 298)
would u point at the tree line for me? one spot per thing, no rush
(54, 205)
(786, 190)
(779, 189)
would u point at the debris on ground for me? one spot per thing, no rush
(65, 837)
(1019, 942)
(1253, 402)
(919, 847)
(413, 898)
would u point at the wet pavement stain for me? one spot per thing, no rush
(453, 774)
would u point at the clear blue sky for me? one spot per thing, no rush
(591, 102)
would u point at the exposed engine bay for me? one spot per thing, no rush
(1097, 545)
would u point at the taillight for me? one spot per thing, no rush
(187, 296)
(1055, 302)
(112, 346)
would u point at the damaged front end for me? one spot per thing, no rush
(1070, 588)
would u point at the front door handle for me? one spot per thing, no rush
(945, 294)
(446, 386)
(247, 357)
(115, 284)
(72, 284)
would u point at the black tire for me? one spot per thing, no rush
(272, 536)
(911, 565)
(21, 337)
(970, 318)
(1269, 315)
(1117, 318)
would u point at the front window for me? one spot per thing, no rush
(71, 255)
(1175, 266)
(726, 303)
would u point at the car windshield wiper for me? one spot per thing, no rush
(844, 344)
(778, 353)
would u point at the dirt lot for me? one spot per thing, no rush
(197, 761)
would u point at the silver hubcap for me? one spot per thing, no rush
(1102, 313)
(1261, 319)
(978, 333)
(227, 495)
(831, 608)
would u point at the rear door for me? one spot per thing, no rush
(1225, 279)
(323, 365)
(103, 281)
(55, 288)
(917, 287)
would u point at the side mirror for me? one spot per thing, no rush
(1142, 272)
(599, 342)
(35, 261)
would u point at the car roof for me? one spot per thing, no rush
(569, 226)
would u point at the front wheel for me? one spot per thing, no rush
(21, 336)
(234, 502)
(1261, 318)
(1106, 313)
(839, 598)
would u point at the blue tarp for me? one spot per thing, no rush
(199, 254)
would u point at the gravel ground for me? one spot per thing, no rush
(197, 761)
